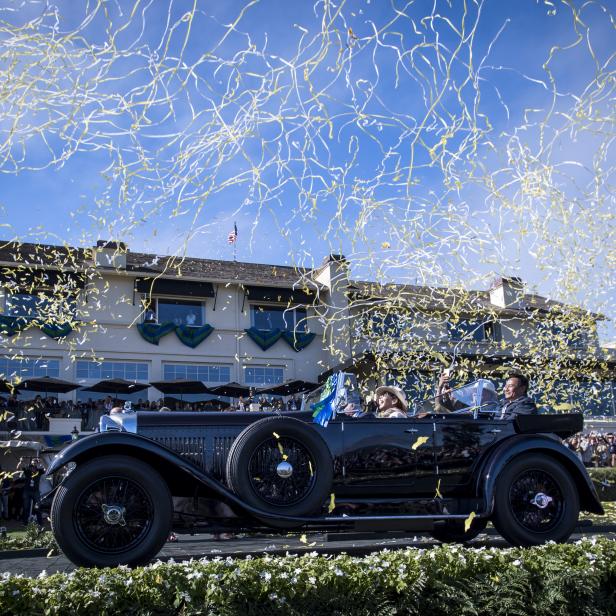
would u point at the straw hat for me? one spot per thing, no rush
(394, 391)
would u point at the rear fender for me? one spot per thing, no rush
(520, 445)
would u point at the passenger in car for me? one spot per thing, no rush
(444, 401)
(517, 402)
(391, 402)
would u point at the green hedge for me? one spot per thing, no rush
(33, 537)
(605, 482)
(571, 579)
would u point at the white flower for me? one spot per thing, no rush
(516, 563)
(266, 575)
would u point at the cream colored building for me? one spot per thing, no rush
(113, 291)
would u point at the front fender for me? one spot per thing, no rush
(108, 443)
(523, 444)
(127, 443)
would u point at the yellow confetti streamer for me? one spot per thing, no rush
(332, 503)
(438, 490)
(469, 521)
(421, 440)
(542, 197)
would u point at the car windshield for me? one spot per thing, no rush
(346, 393)
(477, 395)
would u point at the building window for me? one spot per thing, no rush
(278, 317)
(128, 370)
(472, 331)
(33, 305)
(27, 368)
(26, 305)
(255, 375)
(178, 311)
(197, 372)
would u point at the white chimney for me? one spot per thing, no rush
(507, 292)
(110, 255)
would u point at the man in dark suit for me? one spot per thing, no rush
(516, 401)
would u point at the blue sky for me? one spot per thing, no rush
(421, 153)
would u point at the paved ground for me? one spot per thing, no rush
(199, 546)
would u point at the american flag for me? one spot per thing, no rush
(232, 235)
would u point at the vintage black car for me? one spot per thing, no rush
(121, 491)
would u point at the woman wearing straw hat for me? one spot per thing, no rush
(391, 402)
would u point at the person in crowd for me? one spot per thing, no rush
(39, 412)
(601, 452)
(517, 402)
(31, 492)
(5, 488)
(588, 450)
(391, 402)
(611, 442)
(241, 405)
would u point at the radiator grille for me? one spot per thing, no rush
(206, 448)
(191, 448)
(222, 444)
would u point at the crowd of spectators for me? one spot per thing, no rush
(594, 449)
(33, 415)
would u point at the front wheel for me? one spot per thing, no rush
(536, 501)
(114, 510)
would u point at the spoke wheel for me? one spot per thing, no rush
(113, 514)
(535, 501)
(281, 465)
(289, 486)
(113, 510)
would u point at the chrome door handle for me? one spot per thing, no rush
(494, 431)
(416, 430)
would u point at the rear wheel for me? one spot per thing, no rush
(111, 511)
(536, 501)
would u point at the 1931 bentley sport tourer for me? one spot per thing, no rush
(118, 491)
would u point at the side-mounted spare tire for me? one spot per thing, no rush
(282, 466)
(113, 510)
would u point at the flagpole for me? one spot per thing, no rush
(235, 243)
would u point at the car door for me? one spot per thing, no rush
(460, 442)
(388, 457)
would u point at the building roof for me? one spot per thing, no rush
(435, 298)
(147, 264)
(259, 274)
